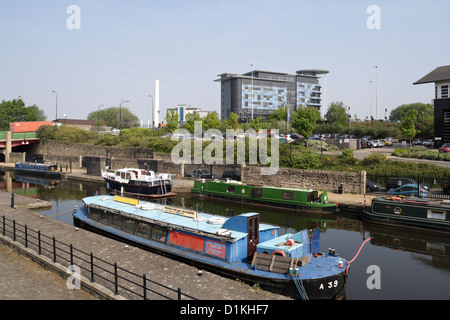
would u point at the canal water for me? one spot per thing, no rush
(395, 264)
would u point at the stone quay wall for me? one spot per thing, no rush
(351, 182)
(66, 153)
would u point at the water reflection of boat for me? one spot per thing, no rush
(425, 243)
(51, 183)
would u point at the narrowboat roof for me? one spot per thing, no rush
(204, 223)
(233, 182)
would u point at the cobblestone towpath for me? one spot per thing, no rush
(25, 275)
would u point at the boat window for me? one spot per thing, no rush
(130, 226)
(144, 230)
(117, 222)
(257, 192)
(95, 214)
(128, 176)
(105, 218)
(288, 195)
(159, 233)
(231, 189)
(117, 173)
(122, 175)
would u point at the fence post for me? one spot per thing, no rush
(4, 226)
(92, 267)
(14, 230)
(71, 254)
(39, 241)
(116, 290)
(179, 293)
(54, 249)
(144, 277)
(26, 236)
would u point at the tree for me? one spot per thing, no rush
(111, 116)
(256, 124)
(173, 120)
(399, 113)
(211, 121)
(232, 122)
(337, 115)
(305, 121)
(280, 114)
(190, 121)
(15, 110)
(408, 126)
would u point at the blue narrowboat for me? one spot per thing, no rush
(239, 247)
(37, 169)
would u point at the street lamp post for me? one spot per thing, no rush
(98, 117)
(251, 65)
(376, 92)
(56, 95)
(152, 108)
(120, 112)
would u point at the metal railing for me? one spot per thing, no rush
(110, 275)
(19, 135)
(434, 187)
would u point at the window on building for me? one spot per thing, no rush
(444, 91)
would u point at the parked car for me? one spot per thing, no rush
(377, 143)
(428, 142)
(417, 142)
(391, 139)
(400, 181)
(198, 173)
(445, 148)
(387, 142)
(372, 186)
(233, 175)
(410, 190)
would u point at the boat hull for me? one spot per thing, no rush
(329, 287)
(423, 215)
(139, 189)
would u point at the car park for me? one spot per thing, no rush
(409, 190)
(417, 142)
(428, 142)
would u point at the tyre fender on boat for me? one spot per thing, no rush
(281, 252)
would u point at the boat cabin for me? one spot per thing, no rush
(232, 239)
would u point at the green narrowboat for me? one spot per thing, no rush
(417, 213)
(298, 199)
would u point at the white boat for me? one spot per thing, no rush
(138, 181)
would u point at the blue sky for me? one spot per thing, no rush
(123, 46)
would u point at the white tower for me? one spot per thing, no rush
(156, 110)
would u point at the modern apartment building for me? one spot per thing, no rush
(258, 93)
(182, 110)
(441, 102)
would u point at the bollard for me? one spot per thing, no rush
(12, 200)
